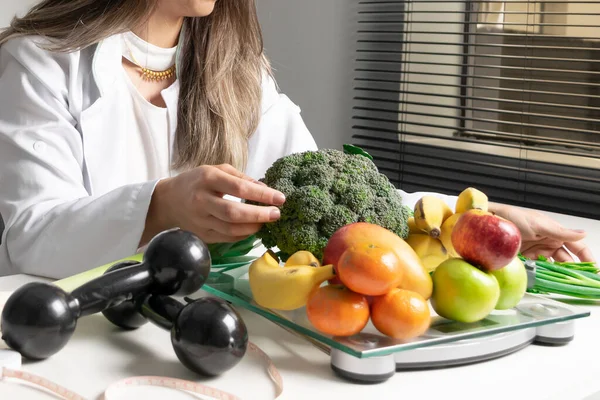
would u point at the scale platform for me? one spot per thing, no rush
(372, 357)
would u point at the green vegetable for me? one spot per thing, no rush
(221, 253)
(325, 190)
(351, 149)
(566, 278)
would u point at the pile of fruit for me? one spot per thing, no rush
(472, 255)
(430, 229)
(461, 264)
(368, 273)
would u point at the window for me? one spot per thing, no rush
(500, 95)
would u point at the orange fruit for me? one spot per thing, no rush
(370, 269)
(401, 314)
(416, 277)
(335, 310)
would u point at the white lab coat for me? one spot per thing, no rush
(62, 157)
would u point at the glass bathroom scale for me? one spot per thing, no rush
(534, 311)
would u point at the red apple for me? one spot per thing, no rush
(486, 240)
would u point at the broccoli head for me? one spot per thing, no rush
(325, 190)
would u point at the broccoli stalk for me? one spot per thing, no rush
(325, 190)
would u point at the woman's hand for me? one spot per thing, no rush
(541, 235)
(194, 201)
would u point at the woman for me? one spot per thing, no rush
(121, 119)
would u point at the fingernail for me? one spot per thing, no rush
(275, 214)
(579, 230)
(279, 198)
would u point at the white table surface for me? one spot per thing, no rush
(99, 355)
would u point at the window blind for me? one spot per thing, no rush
(500, 95)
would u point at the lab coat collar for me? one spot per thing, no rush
(107, 65)
(107, 62)
(107, 68)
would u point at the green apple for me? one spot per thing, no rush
(462, 292)
(513, 284)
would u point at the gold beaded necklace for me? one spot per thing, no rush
(155, 76)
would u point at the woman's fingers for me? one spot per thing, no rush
(539, 250)
(241, 213)
(581, 251)
(554, 249)
(211, 236)
(237, 173)
(545, 243)
(243, 187)
(551, 229)
(562, 255)
(234, 230)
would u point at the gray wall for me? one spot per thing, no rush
(311, 46)
(8, 8)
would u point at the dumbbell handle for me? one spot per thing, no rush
(111, 289)
(161, 310)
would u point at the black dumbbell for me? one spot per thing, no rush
(209, 336)
(39, 318)
(204, 345)
(126, 314)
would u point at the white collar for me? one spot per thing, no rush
(145, 54)
(107, 62)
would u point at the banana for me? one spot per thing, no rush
(302, 257)
(430, 250)
(430, 214)
(279, 288)
(470, 199)
(446, 235)
(412, 226)
(432, 262)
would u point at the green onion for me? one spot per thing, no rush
(568, 290)
(577, 278)
(566, 278)
(590, 275)
(550, 273)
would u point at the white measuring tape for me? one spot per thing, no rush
(10, 362)
(170, 383)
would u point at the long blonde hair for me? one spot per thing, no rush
(220, 69)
